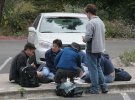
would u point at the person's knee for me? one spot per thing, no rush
(57, 80)
(60, 77)
(51, 76)
(45, 71)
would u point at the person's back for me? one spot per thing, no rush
(98, 40)
(108, 68)
(68, 59)
(68, 63)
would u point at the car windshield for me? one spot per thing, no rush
(63, 25)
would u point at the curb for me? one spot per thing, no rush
(43, 92)
(122, 86)
(30, 93)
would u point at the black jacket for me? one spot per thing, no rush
(19, 61)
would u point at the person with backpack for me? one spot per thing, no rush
(68, 64)
(21, 61)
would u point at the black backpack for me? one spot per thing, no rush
(122, 75)
(68, 89)
(28, 77)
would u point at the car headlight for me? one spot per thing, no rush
(45, 45)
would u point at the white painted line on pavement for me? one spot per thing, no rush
(125, 96)
(3, 65)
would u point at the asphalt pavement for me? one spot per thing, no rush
(9, 48)
(115, 96)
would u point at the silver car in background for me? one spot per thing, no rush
(69, 27)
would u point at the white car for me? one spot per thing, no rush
(69, 27)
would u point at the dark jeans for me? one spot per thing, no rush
(62, 75)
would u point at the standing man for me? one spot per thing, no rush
(95, 45)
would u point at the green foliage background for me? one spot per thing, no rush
(118, 15)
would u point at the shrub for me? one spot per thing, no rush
(120, 29)
(75, 9)
(128, 57)
(19, 18)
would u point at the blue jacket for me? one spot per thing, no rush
(68, 59)
(50, 56)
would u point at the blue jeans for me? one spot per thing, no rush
(109, 78)
(95, 70)
(47, 73)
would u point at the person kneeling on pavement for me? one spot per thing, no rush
(68, 64)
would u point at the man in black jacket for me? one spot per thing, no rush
(21, 60)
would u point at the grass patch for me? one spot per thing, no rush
(128, 57)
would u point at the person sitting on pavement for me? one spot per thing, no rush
(68, 64)
(107, 67)
(49, 70)
(21, 60)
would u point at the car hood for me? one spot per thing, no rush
(67, 38)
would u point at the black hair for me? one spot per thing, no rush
(29, 46)
(91, 8)
(58, 42)
(76, 46)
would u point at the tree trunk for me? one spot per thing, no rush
(1, 8)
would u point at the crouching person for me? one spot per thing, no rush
(68, 63)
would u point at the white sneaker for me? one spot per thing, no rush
(80, 81)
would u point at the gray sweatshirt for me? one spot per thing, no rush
(95, 35)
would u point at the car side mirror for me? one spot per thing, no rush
(31, 29)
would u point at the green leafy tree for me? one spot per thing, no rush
(2, 2)
(48, 5)
(18, 15)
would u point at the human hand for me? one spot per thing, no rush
(39, 74)
(83, 39)
(33, 65)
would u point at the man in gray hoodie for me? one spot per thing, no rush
(95, 45)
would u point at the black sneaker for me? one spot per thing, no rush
(104, 90)
(93, 92)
